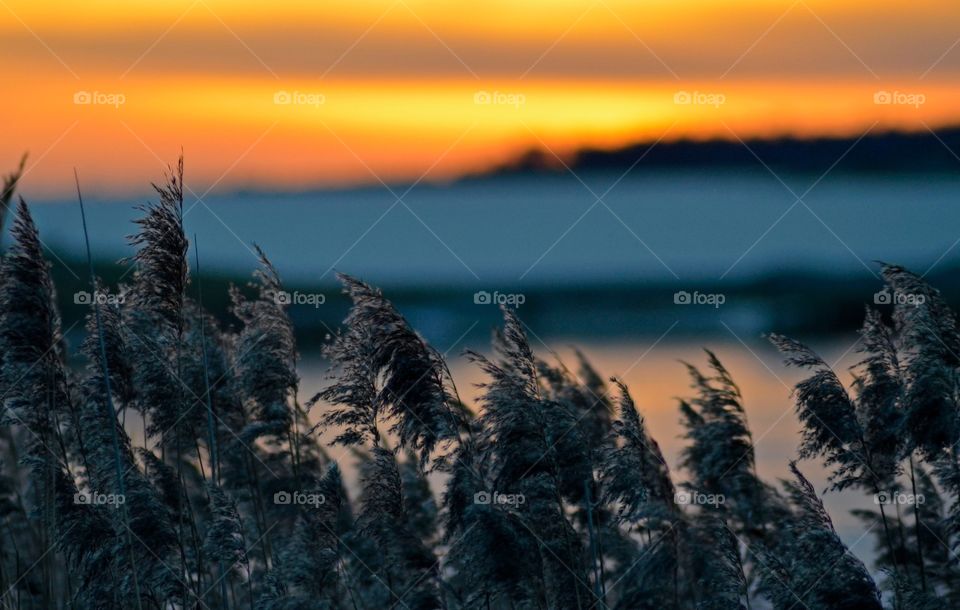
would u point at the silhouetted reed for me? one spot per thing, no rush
(177, 469)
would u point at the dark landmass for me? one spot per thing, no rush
(881, 152)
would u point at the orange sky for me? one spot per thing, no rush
(291, 93)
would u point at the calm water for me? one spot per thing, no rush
(552, 230)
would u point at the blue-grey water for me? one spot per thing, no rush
(552, 230)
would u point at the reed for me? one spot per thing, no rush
(549, 492)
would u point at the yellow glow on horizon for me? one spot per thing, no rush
(304, 133)
(398, 80)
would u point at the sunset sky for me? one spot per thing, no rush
(294, 94)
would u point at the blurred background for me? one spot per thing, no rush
(640, 178)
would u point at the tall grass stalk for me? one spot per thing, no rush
(111, 414)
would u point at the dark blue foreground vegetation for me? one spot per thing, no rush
(177, 469)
